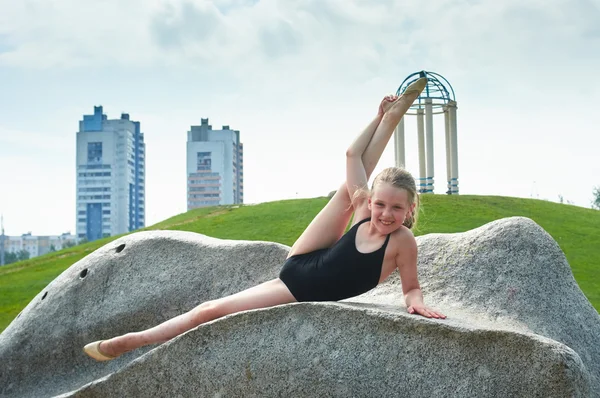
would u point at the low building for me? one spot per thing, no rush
(37, 245)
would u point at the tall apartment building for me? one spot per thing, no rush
(110, 176)
(215, 166)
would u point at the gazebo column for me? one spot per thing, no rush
(429, 130)
(399, 144)
(448, 149)
(421, 140)
(453, 139)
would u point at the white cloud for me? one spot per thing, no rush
(300, 78)
(69, 33)
(343, 40)
(30, 140)
(37, 195)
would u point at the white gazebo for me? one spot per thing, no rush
(437, 98)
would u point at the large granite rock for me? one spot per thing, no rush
(518, 324)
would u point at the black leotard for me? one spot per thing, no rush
(336, 273)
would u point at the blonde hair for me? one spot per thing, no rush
(399, 178)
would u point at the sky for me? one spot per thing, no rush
(299, 79)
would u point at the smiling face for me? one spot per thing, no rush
(389, 206)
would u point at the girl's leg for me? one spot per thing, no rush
(329, 225)
(267, 294)
(384, 131)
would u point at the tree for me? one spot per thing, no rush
(10, 257)
(22, 255)
(68, 244)
(596, 200)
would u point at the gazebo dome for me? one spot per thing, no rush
(438, 90)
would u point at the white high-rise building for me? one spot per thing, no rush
(110, 176)
(215, 166)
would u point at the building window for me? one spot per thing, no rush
(99, 189)
(106, 174)
(214, 187)
(204, 161)
(206, 195)
(204, 175)
(94, 152)
(205, 181)
(93, 166)
(93, 197)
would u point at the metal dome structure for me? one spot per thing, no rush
(437, 98)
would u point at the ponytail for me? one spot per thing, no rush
(409, 221)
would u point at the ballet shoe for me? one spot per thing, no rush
(93, 350)
(415, 87)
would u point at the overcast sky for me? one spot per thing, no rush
(299, 79)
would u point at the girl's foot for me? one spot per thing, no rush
(386, 103)
(99, 353)
(411, 93)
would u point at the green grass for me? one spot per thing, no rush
(575, 229)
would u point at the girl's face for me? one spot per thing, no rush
(389, 207)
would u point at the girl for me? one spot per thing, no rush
(325, 264)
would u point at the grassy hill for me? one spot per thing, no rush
(577, 231)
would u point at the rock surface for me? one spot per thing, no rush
(518, 324)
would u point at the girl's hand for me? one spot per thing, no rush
(386, 99)
(425, 311)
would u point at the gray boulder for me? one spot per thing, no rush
(518, 324)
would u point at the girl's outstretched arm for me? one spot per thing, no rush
(406, 261)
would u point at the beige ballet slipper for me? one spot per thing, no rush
(415, 87)
(93, 350)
